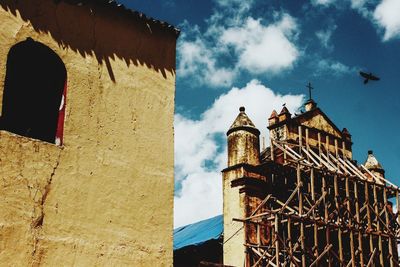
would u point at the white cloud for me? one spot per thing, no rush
(262, 49)
(322, 2)
(387, 16)
(325, 35)
(239, 5)
(198, 61)
(361, 7)
(238, 41)
(226, 3)
(199, 156)
(356, 4)
(333, 68)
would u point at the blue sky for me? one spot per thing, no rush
(259, 55)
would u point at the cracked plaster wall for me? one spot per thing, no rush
(106, 197)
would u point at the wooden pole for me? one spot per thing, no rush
(353, 262)
(385, 200)
(344, 150)
(344, 153)
(258, 236)
(263, 143)
(272, 157)
(336, 148)
(284, 157)
(353, 258)
(319, 144)
(378, 226)
(337, 204)
(313, 214)
(277, 239)
(289, 228)
(272, 149)
(367, 203)
(274, 239)
(326, 219)
(300, 197)
(357, 205)
(322, 254)
(337, 194)
(307, 144)
(300, 140)
(327, 146)
(371, 259)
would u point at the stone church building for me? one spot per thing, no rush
(304, 200)
(86, 135)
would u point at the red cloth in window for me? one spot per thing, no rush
(61, 117)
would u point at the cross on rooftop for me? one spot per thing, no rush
(309, 89)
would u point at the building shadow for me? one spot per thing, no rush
(104, 30)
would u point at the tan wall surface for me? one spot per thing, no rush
(320, 123)
(233, 208)
(106, 196)
(244, 147)
(293, 135)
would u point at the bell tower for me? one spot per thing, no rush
(243, 141)
(243, 154)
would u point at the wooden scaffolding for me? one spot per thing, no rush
(320, 209)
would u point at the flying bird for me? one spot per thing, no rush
(368, 77)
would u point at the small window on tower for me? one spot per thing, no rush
(34, 92)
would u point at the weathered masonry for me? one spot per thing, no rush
(86, 135)
(304, 201)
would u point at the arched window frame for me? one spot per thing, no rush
(34, 95)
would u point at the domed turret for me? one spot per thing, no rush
(310, 105)
(374, 166)
(284, 114)
(346, 134)
(273, 118)
(243, 141)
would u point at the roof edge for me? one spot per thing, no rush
(249, 129)
(128, 11)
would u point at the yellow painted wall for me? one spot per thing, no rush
(234, 237)
(106, 196)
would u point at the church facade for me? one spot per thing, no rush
(304, 200)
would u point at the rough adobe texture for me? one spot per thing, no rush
(106, 197)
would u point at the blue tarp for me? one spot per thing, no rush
(198, 233)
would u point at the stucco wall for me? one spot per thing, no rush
(106, 197)
(234, 237)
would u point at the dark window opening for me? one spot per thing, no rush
(34, 92)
